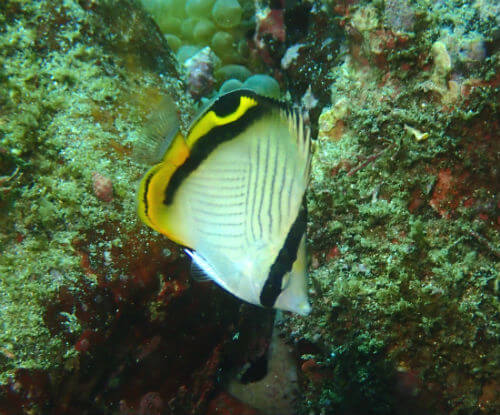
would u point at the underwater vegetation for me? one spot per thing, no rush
(98, 313)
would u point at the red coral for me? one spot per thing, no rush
(269, 23)
(87, 340)
(333, 253)
(313, 371)
(417, 201)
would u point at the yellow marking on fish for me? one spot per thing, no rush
(211, 120)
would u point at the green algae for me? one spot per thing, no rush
(404, 285)
(70, 108)
(403, 282)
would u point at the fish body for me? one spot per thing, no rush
(232, 193)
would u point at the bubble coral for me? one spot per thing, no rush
(227, 13)
(263, 84)
(220, 24)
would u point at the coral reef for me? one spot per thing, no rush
(199, 72)
(404, 214)
(98, 314)
(219, 43)
(193, 25)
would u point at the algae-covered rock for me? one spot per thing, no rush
(90, 299)
(98, 313)
(403, 215)
(72, 105)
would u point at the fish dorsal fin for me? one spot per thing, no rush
(300, 128)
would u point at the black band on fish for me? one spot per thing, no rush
(230, 103)
(145, 195)
(209, 142)
(206, 144)
(285, 259)
(147, 182)
(224, 106)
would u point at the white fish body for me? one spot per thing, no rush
(240, 211)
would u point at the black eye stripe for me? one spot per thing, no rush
(208, 143)
(229, 103)
(223, 106)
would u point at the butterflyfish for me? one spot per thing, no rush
(232, 193)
